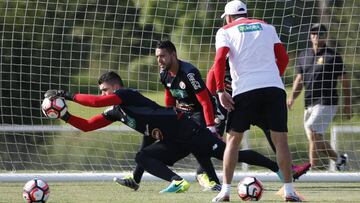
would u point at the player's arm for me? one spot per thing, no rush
(210, 81)
(208, 109)
(296, 90)
(282, 58)
(97, 101)
(94, 123)
(170, 101)
(219, 68)
(86, 99)
(219, 71)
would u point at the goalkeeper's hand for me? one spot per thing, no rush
(59, 93)
(66, 116)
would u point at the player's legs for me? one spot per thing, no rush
(316, 120)
(133, 181)
(207, 144)
(275, 111)
(283, 155)
(231, 155)
(139, 171)
(155, 158)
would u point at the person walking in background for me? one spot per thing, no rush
(257, 58)
(318, 68)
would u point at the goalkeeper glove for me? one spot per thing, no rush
(59, 93)
(65, 117)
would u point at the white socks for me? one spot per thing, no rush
(225, 189)
(288, 189)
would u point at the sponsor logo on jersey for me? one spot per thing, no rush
(320, 60)
(178, 93)
(182, 85)
(196, 85)
(250, 27)
(157, 134)
(215, 146)
(147, 130)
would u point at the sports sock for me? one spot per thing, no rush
(280, 175)
(138, 173)
(200, 170)
(288, 189)
(176, 177)
(225, 188)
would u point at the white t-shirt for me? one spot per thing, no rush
(251, 56)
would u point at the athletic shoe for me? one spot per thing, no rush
(127, 181)
(299, 170)
(340, 166)
(215, 186)
(292, 198)
(204, 181)
(177, 186)
(221, 197)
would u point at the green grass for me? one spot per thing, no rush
(148, 192)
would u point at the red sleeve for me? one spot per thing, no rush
(169, 99)
(210, 81)
(282, 59)
(220, 64)
(97, 101)
(208, 109)
(96, 122)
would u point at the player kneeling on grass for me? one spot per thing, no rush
(155, 122)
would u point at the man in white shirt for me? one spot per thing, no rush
(257, 60)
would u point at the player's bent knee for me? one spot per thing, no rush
(139, 157)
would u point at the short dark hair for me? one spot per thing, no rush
(110, 77)
(236, 16)
(318, 28)
(166, 44)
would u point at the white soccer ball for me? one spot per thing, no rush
(54, 107)
(250, 188)
(36, 190)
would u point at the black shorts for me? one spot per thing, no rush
(264, 106)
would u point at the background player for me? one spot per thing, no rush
(185, 89)
(256, 57)
(221, 122)
(318, 69)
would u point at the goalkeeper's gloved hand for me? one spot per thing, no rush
(65, 117)
(59, 93)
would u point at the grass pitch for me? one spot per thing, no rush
(149, 192)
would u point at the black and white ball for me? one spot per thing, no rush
(36, 190)
(54, 107)
(250, 188)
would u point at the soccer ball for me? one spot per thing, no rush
(54, 107)
(250, 188)
(36, 190)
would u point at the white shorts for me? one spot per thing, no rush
(318, 118)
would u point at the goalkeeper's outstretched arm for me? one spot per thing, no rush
(94, 123)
